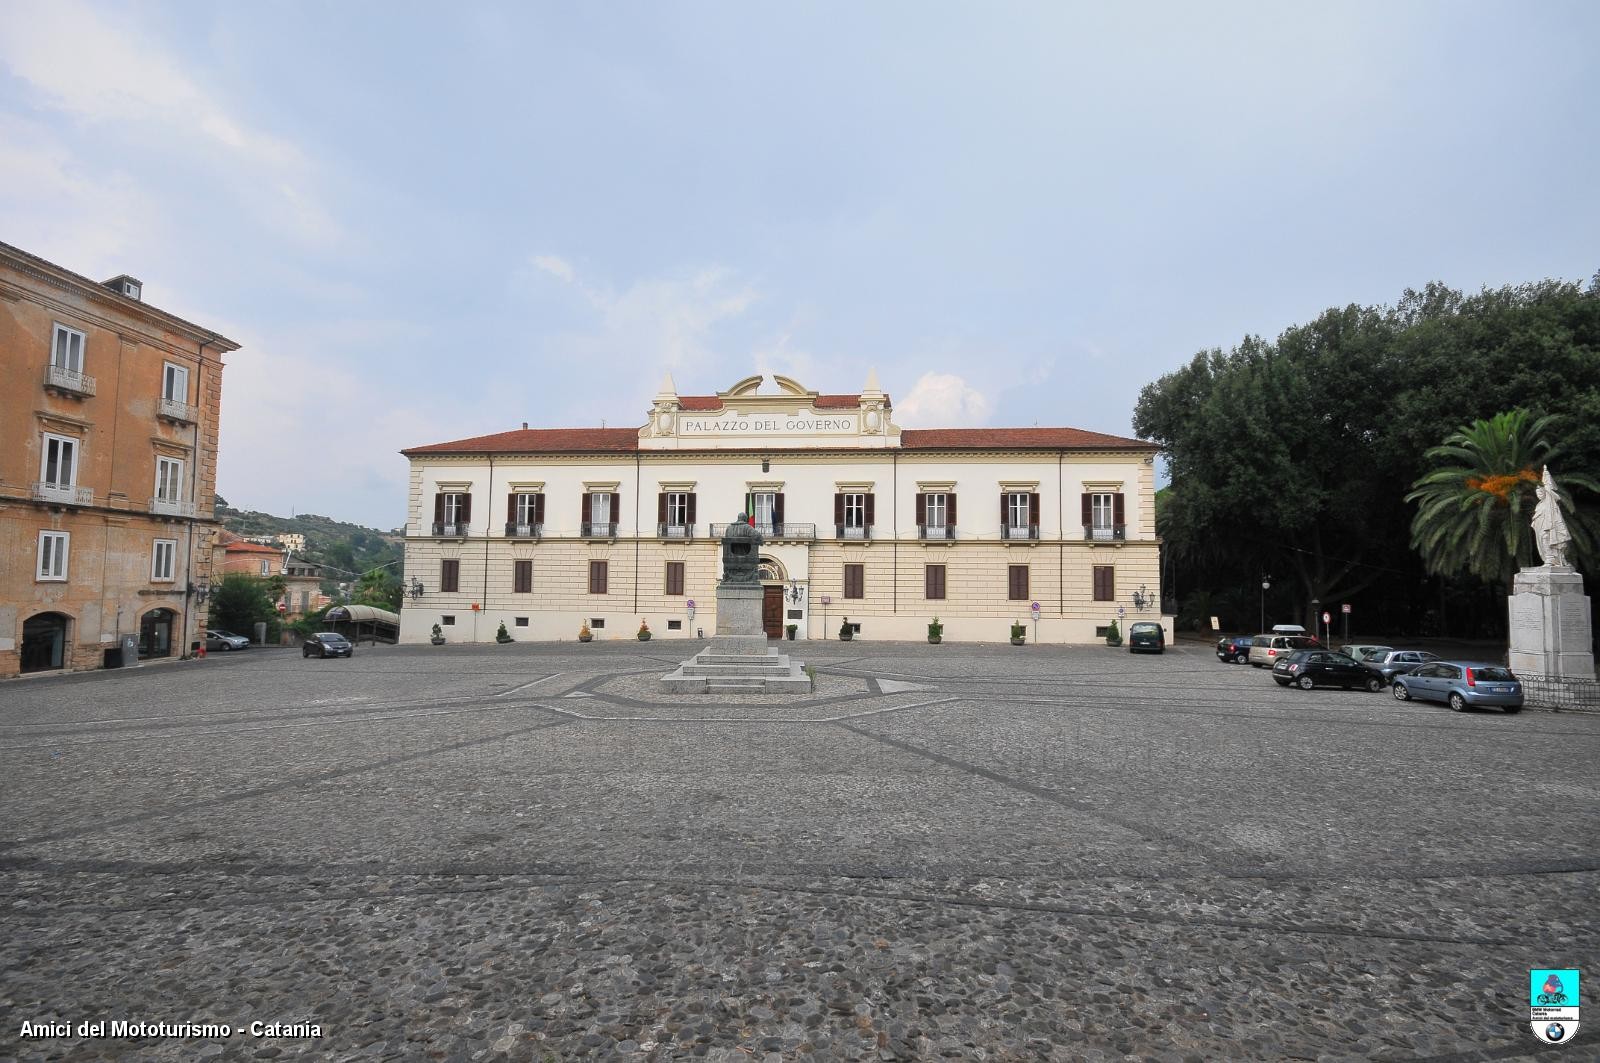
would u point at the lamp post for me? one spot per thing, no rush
(1266, 585)
(1316, 617)
(416, 589)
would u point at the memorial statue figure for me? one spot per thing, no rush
(1549, 525)
(741, 553)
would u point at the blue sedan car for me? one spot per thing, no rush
(1461, 684)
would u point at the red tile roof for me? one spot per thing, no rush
(626, 440)
(245, 546)
(1017, 438)
(538, 441)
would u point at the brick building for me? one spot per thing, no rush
(108, 468)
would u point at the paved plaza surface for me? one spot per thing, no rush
(950, 852)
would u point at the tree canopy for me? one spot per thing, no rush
(1293, 457)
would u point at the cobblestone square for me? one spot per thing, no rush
(944, 852)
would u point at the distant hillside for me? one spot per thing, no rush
(349, 548)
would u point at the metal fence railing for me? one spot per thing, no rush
(1560, 692)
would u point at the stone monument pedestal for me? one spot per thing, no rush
(1550, 624)
(739, 658)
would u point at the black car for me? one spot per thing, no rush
(1234, 649)
(1324, 668)
(327, 644)
(1146, 637)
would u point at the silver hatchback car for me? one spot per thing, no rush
(1461, 684)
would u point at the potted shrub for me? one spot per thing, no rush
(644, 631)
(438, 636)
(845, 634)
(1019, 634)
(503, 636)
(935, 632)
(1113, 635)
(584, 634)
(789, 630)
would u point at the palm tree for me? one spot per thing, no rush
(1474, 510)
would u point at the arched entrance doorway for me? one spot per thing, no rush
(44, 641)
(770, 572)
(155, 633)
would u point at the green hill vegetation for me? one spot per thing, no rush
(347, 550)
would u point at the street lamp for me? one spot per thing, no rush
(1316, 617)
(1266, 585)
(416, 588)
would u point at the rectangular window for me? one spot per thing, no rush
(66, 349)
(855, 581)
(761, 506)
(598, 573)
(162, 556)
(1017, 582)
(53, 555)
(1105, 583)
(175, 383)
(674, 577)
(597, 622)
(677, 508)
(600, 507)
(1100, 511)
(266, 568)
(521, 621)
(450, 575)
(453, 507)
(1017, 510)
(169, 480)
(59, 465)
(855, 511)
(522, 577)
(933, 510)
(448, 620)
(674, 625)
(527, 509)
(933, 582)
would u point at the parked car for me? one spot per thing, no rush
(1234, 649)
(1324, 668)
(326, 644)
(1460, 684)
(1400, 662)
(218, 641)
(1146, 637)
(1361, 651)
(1266, 649)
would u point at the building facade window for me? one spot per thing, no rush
(600, 507)
(853, 515)
(175, 383)
(674, 577)
(58, 466)
(599, 514)
(855, 581)
(675, 513)
(163, 556)
(933, 582)
(1017, 583)
(525, 514)
(598, 576)
(450, 575)
(1019, 515)
(52, 559)
(169, 480)
(762, 506)
(1103, 515)
(266, 568)
(936, 515)
(522, 577)
(66, 349)
(1105, 583)
(452, 512)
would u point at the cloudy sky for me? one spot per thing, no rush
(432, 221)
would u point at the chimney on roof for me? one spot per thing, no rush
(123, 284)
(524, 426)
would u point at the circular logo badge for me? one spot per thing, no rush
(1555, 1032)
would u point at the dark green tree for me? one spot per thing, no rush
(240, 602)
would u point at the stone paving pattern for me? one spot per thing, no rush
(952, 852)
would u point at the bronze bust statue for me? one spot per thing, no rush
(741, 552)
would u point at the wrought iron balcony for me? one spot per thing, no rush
(63, 493)
(62, 379)
(524, 531)
(772, 532)
(173, 410)
(675, 531)
(172, 507)
(846, 531)
(1105, 532)
(1013, 531)
(457, 530)
(595, 529)
(936, 531)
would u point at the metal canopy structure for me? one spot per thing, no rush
(356, 622)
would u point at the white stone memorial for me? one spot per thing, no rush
(1549, 613)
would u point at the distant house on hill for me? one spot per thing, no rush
(249, 557)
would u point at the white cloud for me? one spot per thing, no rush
(943, 400)
(556, 266)
(110, 75)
